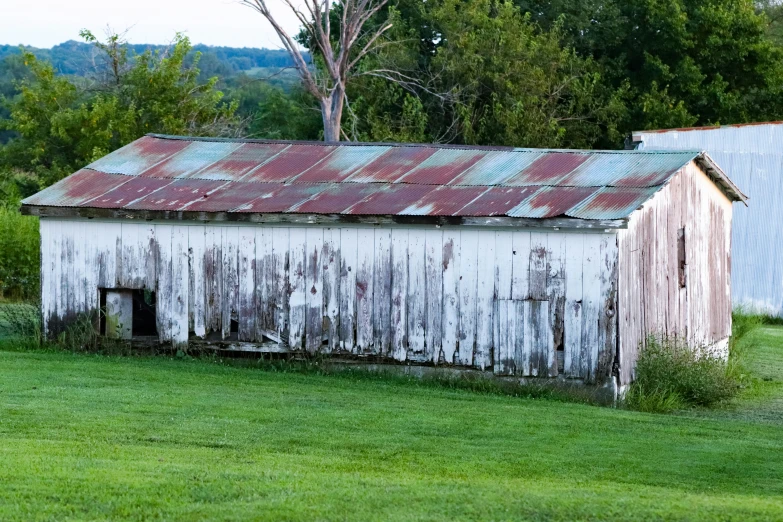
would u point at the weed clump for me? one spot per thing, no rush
(672, 375)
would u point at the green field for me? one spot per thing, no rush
(96, 437)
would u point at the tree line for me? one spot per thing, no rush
(525, 73)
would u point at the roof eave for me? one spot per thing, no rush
(720, 178)
(556, 223)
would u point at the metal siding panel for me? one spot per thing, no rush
(176, 195)
(239, 162)
(76, 189)
(392, 165)
(551, 201)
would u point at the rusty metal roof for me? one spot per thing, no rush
(173, 173)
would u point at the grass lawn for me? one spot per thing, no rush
(94, 437)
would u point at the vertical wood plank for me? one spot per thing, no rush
(399, 293)
(537, 336)
(521, 346)
(591, 295)
(607, 322)
(150, 257)
(433, 282)
(314, 296)
(365, 290)
(417, 294)
(92, 296)
(348, 288)
(163, 306)
(197, 252)
(538, 266)
(557, 243)
(297, 300)
(468, 274)
(382, 292)
(572, 342)
(264, 284)
(503, 264)
(79, 267)
(505, 349)
(230, 297)
(485, 298)
(179, 286)
(280, 273)
(57, 276)
(331, 285)
(246, 314)
(520, 269)
(213, 277)
(451, 271)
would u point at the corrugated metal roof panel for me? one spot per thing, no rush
(281, 197)
(497, 201)
(289, 163)
(238, 162)
(176, 195)
(390, 199)
(551, 201)
(137, 188)
(443, 166)
(210, 175)
(340, 164)
(611, 202)
(626, 170)
(392, 165)
(548, 169)
(76, 189)
(196, 156)
(228, 196)
(443, 201)
(496, 167)
(136, 157)
(337, 198)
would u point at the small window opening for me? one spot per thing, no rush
(128, 313)
(681, 264)
(145, 321)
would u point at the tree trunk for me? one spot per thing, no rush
(332, 113)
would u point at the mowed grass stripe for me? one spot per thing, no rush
(101, 437)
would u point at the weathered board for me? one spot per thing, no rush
(662, 290)
(513, 301)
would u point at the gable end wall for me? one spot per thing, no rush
(651, 298)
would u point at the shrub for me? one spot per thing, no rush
(20, 261)
(671, 375)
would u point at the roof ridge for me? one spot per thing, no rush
(452, 146)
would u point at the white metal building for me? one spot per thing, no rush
(752, 156)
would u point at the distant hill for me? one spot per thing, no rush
(74, 58)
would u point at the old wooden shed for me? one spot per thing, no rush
(523, 262)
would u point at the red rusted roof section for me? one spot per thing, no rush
(176, 195)
(390, 199)
(137, 188)
(497, 201)
(76, 189)
(392, 165)
(289, 163)
(214, 175)
(240, 162)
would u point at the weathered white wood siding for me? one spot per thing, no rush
(652, 299)
(483, 298)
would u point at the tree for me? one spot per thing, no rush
(61, 124)
(506, 82)
(686, 62)
(338, 52)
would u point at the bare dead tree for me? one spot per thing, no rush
(341, 52)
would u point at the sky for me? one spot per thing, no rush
(44, 23)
